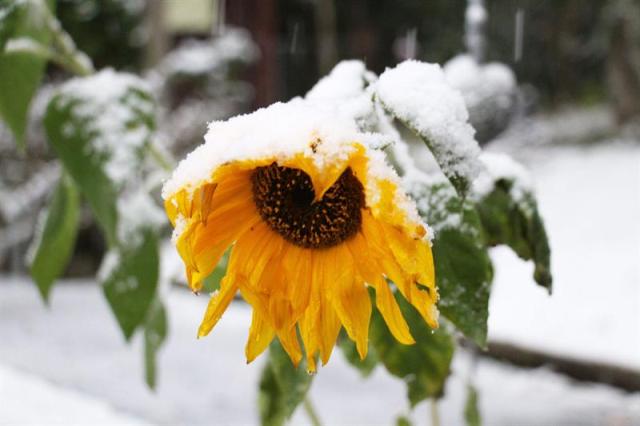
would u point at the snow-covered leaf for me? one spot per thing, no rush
(418, 95)
(282, 387)
(463, 267)
(509, 213)
(129, 275)
(56, 235)
(21, 22)
(155, 333)
(425, 365)
(100, 127)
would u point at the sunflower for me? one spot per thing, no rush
(314, 217)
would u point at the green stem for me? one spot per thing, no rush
(311, 412)
(64, 51)
(435, 415)
(162, 158)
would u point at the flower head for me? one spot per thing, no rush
(313, 216)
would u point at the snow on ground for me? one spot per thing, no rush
(590, 200)
(29, 399)
(76, 346)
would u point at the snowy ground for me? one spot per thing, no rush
(69, 365)
(74, 367)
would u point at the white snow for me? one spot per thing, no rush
(346, 80)
(345, 89)
(137, 211)
(202, 57)
(30, 400)
(418, 94)
(501, 166)
(477, 83)
(104, 106)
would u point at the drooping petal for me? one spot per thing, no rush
(260, 335)
(218, 304)
(296, 265)
(289, 340)
(413, 255)
(349, 297)
(385, 301)
(210, 241)
(421, 299)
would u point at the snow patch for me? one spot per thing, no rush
(479, 82)
(500, 166)
(198, 57)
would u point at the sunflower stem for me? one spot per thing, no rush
(311, 411)
(435, 415)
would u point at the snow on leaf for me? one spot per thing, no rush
(129, 276)
(100, 127)
(418, 95)
(345, 87)
(116, 111)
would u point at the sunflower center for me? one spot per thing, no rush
(285, 200)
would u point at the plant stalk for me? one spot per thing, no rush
(311, 411)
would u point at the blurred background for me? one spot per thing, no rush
(570, 111)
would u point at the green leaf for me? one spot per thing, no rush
(56, 236)
(511, 217)
(471, 411)
(463, 267)
(155, 333)
(20, 72)
(100, 127)
(129, 275)
(282, 387)
(364, 366)
(425, 365)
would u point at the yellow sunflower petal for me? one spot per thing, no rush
(385, 301)
(406, 282)
(413, 255)
(218, 304)
(349, 297)
(296, 265)
(289, 340)
(260, 335)
(210, 241)
(327, 321)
